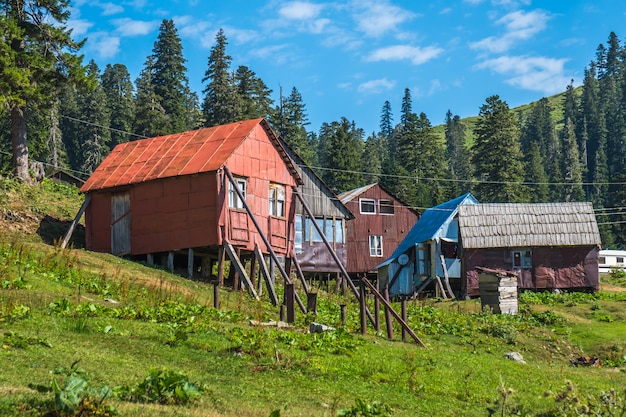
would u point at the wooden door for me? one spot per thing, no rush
(120, 223)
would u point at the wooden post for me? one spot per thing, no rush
(190, 263)
(311, 302)
(82, 209)
(221, 254)
(393, 312)
(150, 259)
(300, 274)
(235, 263)
(253, 271)
(342, 308)
(362, 308)
(403, 304)
(377, 314)
(216, 295)
(290, 302)
(170, 261)
(297, 193)
(262, 234)
(388, 322)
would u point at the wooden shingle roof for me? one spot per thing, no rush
(528, 225)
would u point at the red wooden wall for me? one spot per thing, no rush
(393, 229)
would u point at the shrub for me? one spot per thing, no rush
(163, 387)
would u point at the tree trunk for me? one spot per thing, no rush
(20, 144)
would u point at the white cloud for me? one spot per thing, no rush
(519, 25)
(414, 54)
(376, 86)
(104, 45)
(79, 26)
(109, 9)
(530, 73)
(129, 27)
(375, 18)
(300, 10)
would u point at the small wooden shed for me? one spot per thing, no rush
(550, 245)
(381, 222)
(429, 253)
(172, 194)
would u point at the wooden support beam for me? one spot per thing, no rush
(150, 259)
(332, 252)
(388, 322)
(262, 234)
(362, 308)
(236, 263)
(393, 312)
(446, 279)
(300, 274)
(266, 276)
(80, 213)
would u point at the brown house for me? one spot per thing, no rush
(549, 245)
(172, 194)
(381, 223)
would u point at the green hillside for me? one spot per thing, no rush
(73, 322)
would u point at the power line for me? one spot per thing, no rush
(104, 127)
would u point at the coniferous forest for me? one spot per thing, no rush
(69, 114)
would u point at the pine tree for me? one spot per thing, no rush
(458, 154)
(220, 103)
(37, 56)
(341, 145)
(254, 96)
(56, 150)
(571, 164)
(118, 88)
(70, 126)
(497, 156)
(539, 128)
(290, 123)
(386, 120)
(151, 119)
(407, 106)
(536, 174)
(374, 155)
(95, 134)
(169, 78)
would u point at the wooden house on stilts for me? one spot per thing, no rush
(194, 198)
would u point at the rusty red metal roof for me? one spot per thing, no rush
(186, 153)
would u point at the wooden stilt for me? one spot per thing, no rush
(150, 259)
(190, 263)
(236, 263)
(363, 307)
(221, 253)
(170, 261)
(289, 297)
(403, 306)
(388, 322)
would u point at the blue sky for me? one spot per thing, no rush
(347, 57)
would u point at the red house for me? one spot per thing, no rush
(381, 223)
(172, 194)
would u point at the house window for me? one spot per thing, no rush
(368, 205)
(620, 260)
(233, 199)
(299, 238)
(385, 207)
(331, 228)
(522, 259)
(339, 231)
(277, 200)
(376, 246)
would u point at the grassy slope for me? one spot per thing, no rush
(250, 371)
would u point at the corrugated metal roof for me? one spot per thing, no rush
(429, 224)
(352, 194)
(525, 225)
(186, 153)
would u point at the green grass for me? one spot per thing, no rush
(53, 313)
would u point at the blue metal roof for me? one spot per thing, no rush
(429, 224)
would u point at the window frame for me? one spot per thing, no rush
(371, 201)
(525, 258)
(376, 252)
(276, 200)
(234, 202)
(388, 204)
